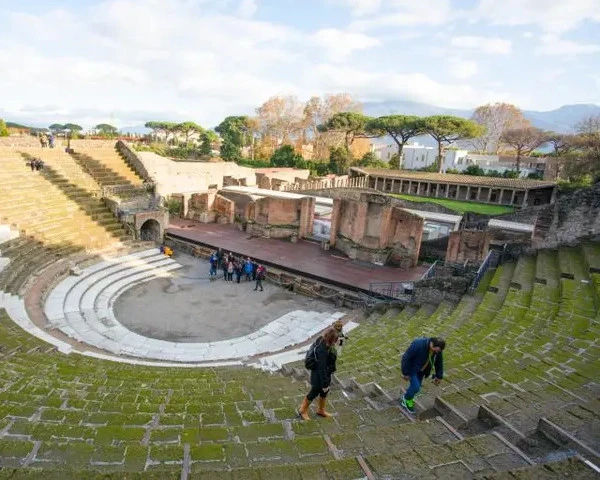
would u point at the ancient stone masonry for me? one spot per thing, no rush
(372, 230)
(210, 207)
(467, 245)
(573, 217)
(133, 160)
(281, 217)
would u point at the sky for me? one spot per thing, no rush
(125, 62)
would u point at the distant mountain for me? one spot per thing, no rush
(562, 119)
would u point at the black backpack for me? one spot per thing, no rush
(310, 361)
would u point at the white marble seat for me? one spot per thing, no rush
(82, 307)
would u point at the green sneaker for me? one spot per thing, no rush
(408, 404)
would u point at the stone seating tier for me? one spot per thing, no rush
(519, 399)
(49, 207)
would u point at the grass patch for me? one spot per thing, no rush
(459, 206)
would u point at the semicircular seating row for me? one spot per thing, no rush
(82, 307)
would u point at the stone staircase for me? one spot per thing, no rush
(53, 208)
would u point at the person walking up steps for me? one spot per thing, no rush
(320, 360)
(423, 355)
(261, 271)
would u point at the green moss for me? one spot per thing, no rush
(14, 448)
(206, 453)
(166, 453)
(110, 433)
(74, 454)
(108, 454)
(135, 457)
(254, 432)
(311, 445)
(165, 435)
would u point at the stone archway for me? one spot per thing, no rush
(151, 230)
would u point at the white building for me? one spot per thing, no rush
(461, 159)
(414, 156)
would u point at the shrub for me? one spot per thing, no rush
(173, 205)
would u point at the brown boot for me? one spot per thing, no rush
(303, 410)
(321, 411)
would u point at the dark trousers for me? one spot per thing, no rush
(258, 284)
(314, 391)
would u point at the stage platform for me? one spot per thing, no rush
(304, 257)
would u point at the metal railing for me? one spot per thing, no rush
(402, 291)
(491, 260)
(430, 271)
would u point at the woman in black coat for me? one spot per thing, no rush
(320, 376)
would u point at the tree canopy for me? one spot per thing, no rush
(3, 129)
(163, 128)
(351, 124)
(447, 129)
(497, 118)
(285, 156)
(72, 126)
(523, 140)
(187, 129)
(400, 127)
(106, 129)
(233, 131)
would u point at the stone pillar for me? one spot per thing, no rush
(500, 196)
(418, 188)
(335, 220)
(410, 187)
(447, 190)
(512, 197)
(393, 183)
(524, 202)
(376, 179)
(401, 185)
(468, 197)
(427, 188)
(478, 193)
(553, 196)
(437, 189)
(489, 199)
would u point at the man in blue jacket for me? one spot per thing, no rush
(422, 355)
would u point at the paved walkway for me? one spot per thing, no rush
(302, 257)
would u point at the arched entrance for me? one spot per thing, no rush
(150, 230)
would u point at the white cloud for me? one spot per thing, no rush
(247, 8)
(412, 86)
(339, 44)
(406, 13)
(554, 45)
(361, 7)
(492, 45)
(462, 69)
(550, 15)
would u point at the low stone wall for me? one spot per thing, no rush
(273, 231)
(132, 159)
